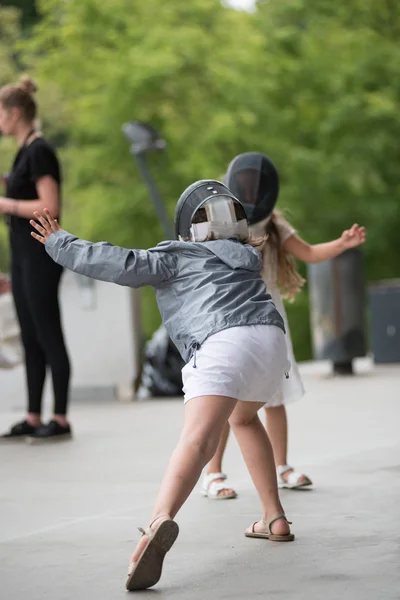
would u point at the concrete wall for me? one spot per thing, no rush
(98, 326)
(101, 323)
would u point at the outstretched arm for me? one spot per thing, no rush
(305, 252)
(134, 268)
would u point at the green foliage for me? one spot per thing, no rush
(27, 9)
(54, 116)
(336, 110)
(299, 320)
(314, 85)
(9, 36)
(172, 64)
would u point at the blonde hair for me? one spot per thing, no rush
(290, 281)
(21, 96)
(256, 242)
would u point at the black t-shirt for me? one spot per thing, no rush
(30, 164)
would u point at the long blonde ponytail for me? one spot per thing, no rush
(289, 281)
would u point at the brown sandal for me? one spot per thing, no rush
(288, 537)
(146, 571)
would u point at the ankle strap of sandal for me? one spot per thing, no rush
(281, 469)
(274, 518)
(159, 517)
(210, 477)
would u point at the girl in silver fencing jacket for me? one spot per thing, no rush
(216, 308)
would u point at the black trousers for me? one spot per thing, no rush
(35, 281)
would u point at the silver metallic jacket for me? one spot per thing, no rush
(201, 287)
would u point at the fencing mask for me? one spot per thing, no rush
(253, 179)
(208, 210)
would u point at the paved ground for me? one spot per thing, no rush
(68, 512)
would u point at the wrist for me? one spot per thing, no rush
(10, 206)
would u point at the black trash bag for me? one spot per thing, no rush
(161, 371)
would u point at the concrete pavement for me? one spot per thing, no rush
(69, 512)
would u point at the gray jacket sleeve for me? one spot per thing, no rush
(134, 268)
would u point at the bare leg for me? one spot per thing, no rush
(215, 464)
(205, 417)
(277, 427)
(258, 455)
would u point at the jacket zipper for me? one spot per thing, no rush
(196, 346)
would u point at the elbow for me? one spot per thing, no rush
(51, 204)
(310, 256)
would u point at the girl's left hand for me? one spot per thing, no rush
(47, 226)
(353, 237)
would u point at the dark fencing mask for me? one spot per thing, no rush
(207, 210)
(253, 179)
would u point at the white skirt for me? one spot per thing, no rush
(246, 363)
(292, 389)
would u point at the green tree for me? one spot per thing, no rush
(9, 36)
(330, 72)
(27, 9)
(176, 65)
(53, 111)
(314, 85)
(334, 93)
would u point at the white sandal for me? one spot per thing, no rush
(294, 479)
(211, 489)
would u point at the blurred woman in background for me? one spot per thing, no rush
(33, 183)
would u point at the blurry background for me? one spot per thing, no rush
(315, 85)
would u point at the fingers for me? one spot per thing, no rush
(355, 236)
(53, 223)
(47, 226)
(43, 220)
(356, 230)
(360, 233)
(40, 239)
(40, 229)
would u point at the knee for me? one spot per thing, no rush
(202, 442)
(242, 420)
(30, 342)
(50, 337)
